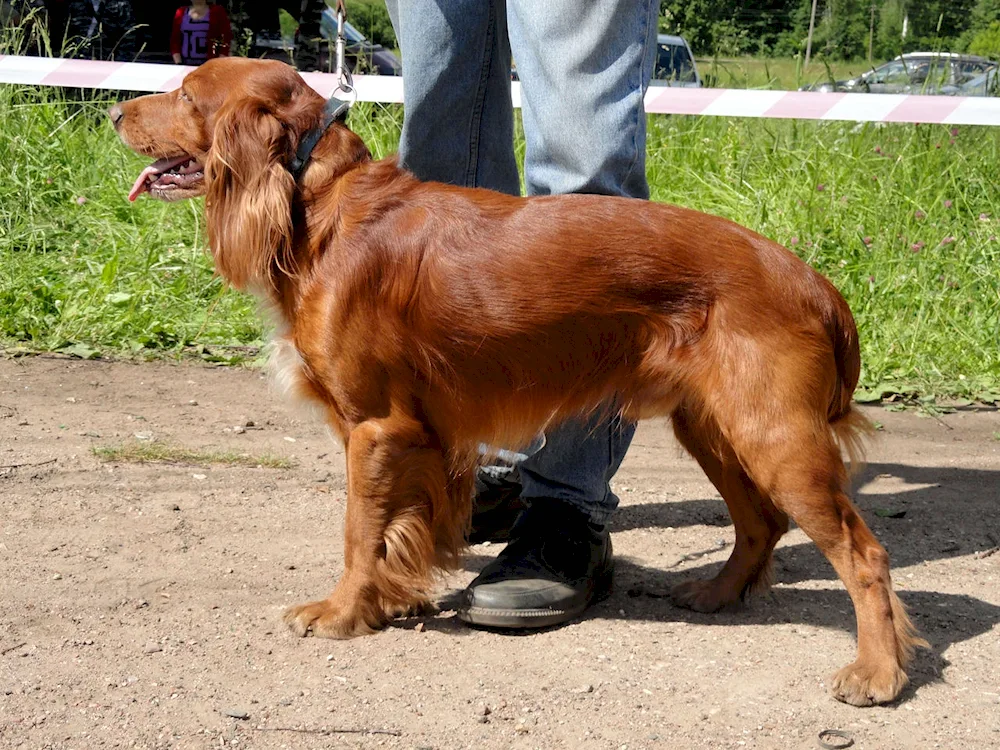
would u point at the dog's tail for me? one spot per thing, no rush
(851, 428)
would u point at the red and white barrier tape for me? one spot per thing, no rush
(810, 105)
(800, 105)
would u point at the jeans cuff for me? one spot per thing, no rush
(598, 514)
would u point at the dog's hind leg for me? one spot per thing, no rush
(396, 480)
(759, 525)
(796, 461)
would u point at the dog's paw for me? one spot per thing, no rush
(702, 596)
(325, 619)
(417, 609)
(862, 684)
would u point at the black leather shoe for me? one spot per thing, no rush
(495, 508)
(557, 565)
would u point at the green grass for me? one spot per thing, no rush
(153, 452)
(80, 265)
(782, 73)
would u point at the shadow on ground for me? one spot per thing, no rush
(949, 512)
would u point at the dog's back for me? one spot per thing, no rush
(559, 303)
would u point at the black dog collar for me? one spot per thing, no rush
(335, 111)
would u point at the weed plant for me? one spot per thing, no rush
(155, 452)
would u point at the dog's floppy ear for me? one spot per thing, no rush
(249, 194)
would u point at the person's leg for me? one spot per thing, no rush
(583, 78)
(577, 464)
(459, 128)
(308, 39)
(559, 560)
(459, 122)
(584, 71)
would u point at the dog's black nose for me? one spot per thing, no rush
(116, 114)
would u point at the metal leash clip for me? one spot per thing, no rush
(345, 83)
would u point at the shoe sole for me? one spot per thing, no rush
(535, 619)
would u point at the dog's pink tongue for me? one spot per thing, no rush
(141, 184)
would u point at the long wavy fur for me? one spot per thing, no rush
(249, 195)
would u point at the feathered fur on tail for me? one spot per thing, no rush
(851, 428)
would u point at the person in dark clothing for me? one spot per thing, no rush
(16, 12)
(30, 18)
(101, 30)
(262, 18)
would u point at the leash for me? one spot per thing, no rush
(336, 109)
(345, 82)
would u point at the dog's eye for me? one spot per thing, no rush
(184, 96)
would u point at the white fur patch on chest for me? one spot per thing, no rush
(287, 370)
(287, 373)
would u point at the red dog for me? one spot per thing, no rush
(425, 319)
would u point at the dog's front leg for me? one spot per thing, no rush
(395, 472)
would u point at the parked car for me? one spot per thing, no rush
(985, 84)
(913, 73)
(674, 63)
(361, 54)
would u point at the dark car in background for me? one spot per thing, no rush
(674, 64)
(914, 73)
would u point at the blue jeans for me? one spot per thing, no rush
(584, 66)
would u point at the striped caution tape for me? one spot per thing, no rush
(799, 105)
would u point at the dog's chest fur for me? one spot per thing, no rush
(287, 368)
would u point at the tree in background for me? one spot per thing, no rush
(371, 18)
(984, 33)
(889, 37)
(693, 19)
(844, 28)
(938, 24)
(847, 32)
(987, 42)
(985, 14)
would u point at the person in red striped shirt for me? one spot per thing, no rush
(201, 32)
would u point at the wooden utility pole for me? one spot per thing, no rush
(809, 41)
(871, 33)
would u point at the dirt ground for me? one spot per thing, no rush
(140, 603)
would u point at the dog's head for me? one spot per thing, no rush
(230, 133)
(230, 112)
